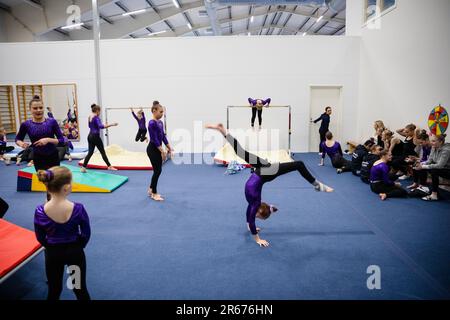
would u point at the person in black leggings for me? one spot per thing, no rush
(257, 107)
(380, 181)
(399, 163)
(155, 150)
(3, 207)
(63, 228)
(324, 126)
(42, 132)
(264, 171)
(142, 131)
(94, 140)
(3, 141)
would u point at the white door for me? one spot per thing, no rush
(320, 98)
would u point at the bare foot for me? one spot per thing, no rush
(323, 187)
(383, 196)
(157, 197)
(218, 127)
(112, 168)
(83, 170)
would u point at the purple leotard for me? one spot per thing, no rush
(331, 151)
(264, 102)
(95, 125)
(38, 130)
(156, 133)
(141, 122)
(253, 189)
(75, 230)
(380, 173)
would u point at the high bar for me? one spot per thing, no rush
(136, 108)
(250, 106)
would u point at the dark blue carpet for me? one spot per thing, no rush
(196, 246)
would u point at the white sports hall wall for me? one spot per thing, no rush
(196, 78)
(405, 65)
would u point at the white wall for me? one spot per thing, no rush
(196, 78)
(51, 63)
(354, 17)
(405, 65)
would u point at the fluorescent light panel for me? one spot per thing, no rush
(155, 33)
(133, 12)
(72, 26)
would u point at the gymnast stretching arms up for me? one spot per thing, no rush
(263, 172)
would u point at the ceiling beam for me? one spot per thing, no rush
(106, 19)
(34, 4)
(5, 7)
(124, 8)
(338, 29)
(272, 10)
(211, 7)
(124, 27)
(45, 16)
(258, 28)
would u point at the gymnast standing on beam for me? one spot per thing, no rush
(94, 140)
(263, 172)
(257, 106)
(155, 150)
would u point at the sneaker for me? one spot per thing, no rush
(338, 171)
(403, 177)
(429, 198)
(424, 189)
